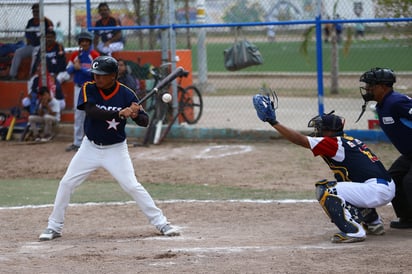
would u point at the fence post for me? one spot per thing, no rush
(319, 58)
(201, 46)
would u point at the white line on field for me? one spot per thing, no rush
(222, 151)
(285, 201)
(210, 152)
(232, 249)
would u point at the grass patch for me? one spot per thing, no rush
(20, 192)
(343, 93)
(286, 56)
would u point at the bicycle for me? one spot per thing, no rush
(189, 108)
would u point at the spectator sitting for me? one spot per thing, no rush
(33, 42)
(126, 78)
(31, 102)
(55, 58)
(107, 41)
(47, 116)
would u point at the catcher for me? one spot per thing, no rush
(362, 182)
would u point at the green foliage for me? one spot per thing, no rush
(242, 12)
(307, 37)
(394, 8)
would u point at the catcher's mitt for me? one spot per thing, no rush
(265, 106)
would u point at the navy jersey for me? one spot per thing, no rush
(106, 132)
(395, 119)
(55, 58)
(106, 35)
(349, 159)
(32, 33)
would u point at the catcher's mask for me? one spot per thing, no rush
(373, 77)
(376, 76)
(329, 121)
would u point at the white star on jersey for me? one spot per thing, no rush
(112, 124)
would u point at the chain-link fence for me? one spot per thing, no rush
(356, 36)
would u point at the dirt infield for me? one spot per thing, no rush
(217, 236)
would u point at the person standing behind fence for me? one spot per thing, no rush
(107, 41)
(79, 66)
(327, 30)
(59, 33)
(359, 30)
(32, 42)
(338, 29)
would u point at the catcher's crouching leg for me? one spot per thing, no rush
(335, 208)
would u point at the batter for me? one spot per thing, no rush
(107, 104)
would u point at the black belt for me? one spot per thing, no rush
(101, 144)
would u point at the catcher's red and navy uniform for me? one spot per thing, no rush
(345, 155)
(362, 184)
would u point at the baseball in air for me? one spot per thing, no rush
(166, 97)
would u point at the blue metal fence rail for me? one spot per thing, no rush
(317, 22)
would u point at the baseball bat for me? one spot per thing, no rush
(179, 71)
(11, 128)
(13, 120)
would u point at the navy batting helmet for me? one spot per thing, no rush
(85, 35)
(376, 76)
(329, 122)
(104, 65)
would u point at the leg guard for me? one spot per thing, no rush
(335, 208)
(362, 215)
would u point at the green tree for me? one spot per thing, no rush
(396, 9)
(242, 12)
(334, 73)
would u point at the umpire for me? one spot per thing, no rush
(395, 118)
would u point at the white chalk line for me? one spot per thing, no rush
(282, 201)
(239, 249)
(210, 152)
(223, 151)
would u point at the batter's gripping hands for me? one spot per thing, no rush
(265, 107)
